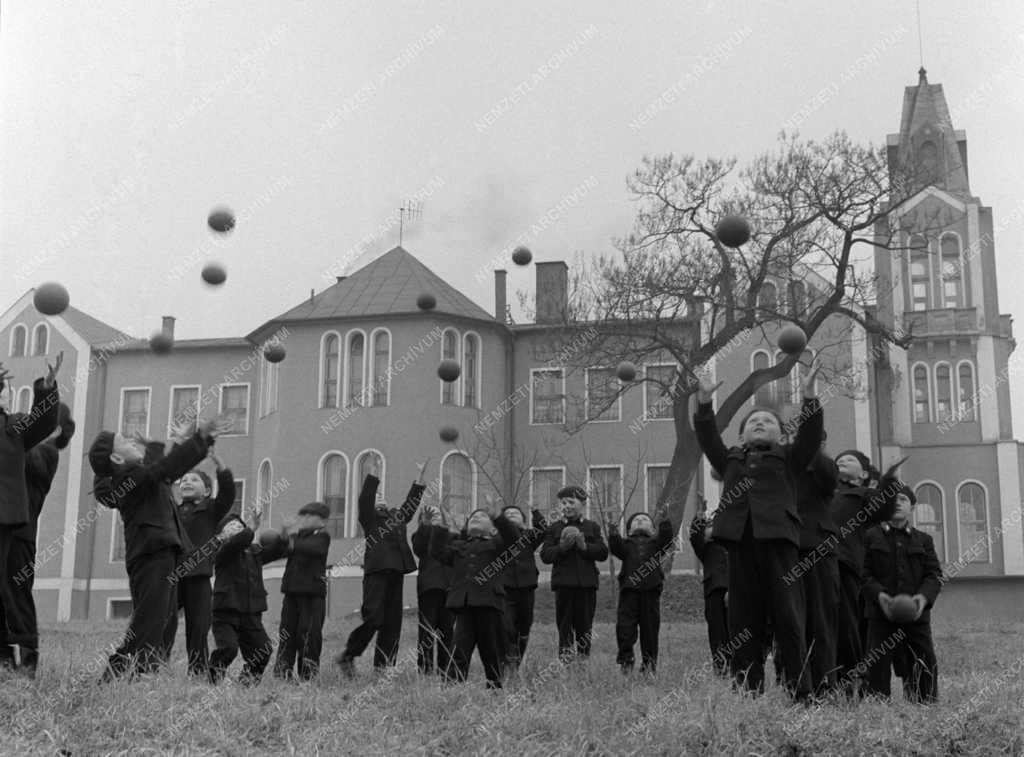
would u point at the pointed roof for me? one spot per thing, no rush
(93, 330)
(388, 285)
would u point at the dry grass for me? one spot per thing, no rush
(549, 710)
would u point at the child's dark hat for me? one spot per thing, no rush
(864, 460)
(575, 492)
(206, 479)
(66, 424)
(99, 454)
(516, 508)
(228, 518)
(316, 508)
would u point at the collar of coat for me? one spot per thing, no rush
(887, 527)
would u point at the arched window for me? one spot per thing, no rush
(952, 275)
(363, 466)
(333, 485)
(381, 376)
(458, 494)
(330, 355)
(797, 298)
(759, 360)
(929, 162)
(972, 512)
(40, 339)
(943, 393)
(356, 368)
(920, 275)
(965, 391)
(928, 516)
(19, 335)
(24, 404)
(264, 494)
(450, 351)
(783, 390)
(768, 297)
(471, 370)
(922, 395)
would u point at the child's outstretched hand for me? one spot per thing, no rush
(706, 388)
(216, 426)
(181, 431)
(808, 382)
(885, 602)
(216, 460)
(922, 602)
(422, 467)
(51, 370)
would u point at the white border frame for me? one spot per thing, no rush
(927, 252)
(942, 509)
(478, 383)
(770, 384)
(339, 391)
(357, 486)
(239, 490)
(270, 373)
(975, 399)
(535, 469)
(473, 475)
(268, 505)
(913, 398)
(320, 465)
(963, 277)
(457, 383)
(34, 351)
(678, 539)
(622, 486)
(647, 384)
(988, 523)
(10, 346)
(117, 523)
(110, 603)
(370, 365)
(935, 391)
(347, 364)
(548, 369)
(170, 402)
(26, 406)
(248, 405)
(149, 407)
(586, 396)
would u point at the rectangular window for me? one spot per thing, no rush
(920, 295)
(605, 490)
(544, 486)
(116, 538)
(135, 412)
(184, 406)
(547, 396)
(119, 609)
(657, 476)
(236, 506)
(234, 402)
(270, 374)
(602, 388)
(658, 392)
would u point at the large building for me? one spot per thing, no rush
(360, 384)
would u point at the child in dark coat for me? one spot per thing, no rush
(520, 578)
(304, 586)
(757, 519)
(436, 621)
(201, 515)
(573, 546)
(714, 559)
(477, 593)
(134, 477)
(240, 599)
(385, 563)
(640, 582)
(899, 559)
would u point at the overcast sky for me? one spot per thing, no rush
(123, 123)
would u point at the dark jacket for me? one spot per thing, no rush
(387, 537)
(18, 434)
(713, 556)
(814, 488)
(433, 574)
(855, 509)
(201, 519)
(899, 563)
(40, 468)
(521, 562)
(477, 575)
(306, 569)
(142, 494)
(641, 557)
(758, 485)
(572, 567)
(238, 586)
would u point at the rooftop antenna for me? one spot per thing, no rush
(920, 43)
(412, 211)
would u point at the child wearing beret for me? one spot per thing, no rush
(520, 575)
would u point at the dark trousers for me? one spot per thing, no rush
(382, 615)
(717, 617)
(821, 618)
(907, 648)
(518, 622)
(154, 599)
(763, 588)
(234, 631)
(195, 597)
(301, 635)
(436, 631)
(574, 616)
(480, 628)
(13, 626)
(639, 613)
(19, 577)
(849, 643)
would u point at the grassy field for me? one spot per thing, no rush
(549, 710)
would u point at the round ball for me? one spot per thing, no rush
(161, 343)
(448, 370)
(448, 433)
(214, 274)
(221, 220)
(903, 609)
(733, 231)
(274, 353)
(522, 255)
(51, 298)
(626, 371)
(792, 339)
(569, 532)
(426, 301)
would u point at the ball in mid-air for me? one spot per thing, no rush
(274, 353)
(521, 255)
(626, 371)
(426, 301)
(214, 274)
(448, 433)
(221, 220)
(792, 339)
(903, 609)
(51, 298)
(733, 231)
(448, 370)
(161, 343)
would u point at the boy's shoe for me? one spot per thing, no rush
(346, 664)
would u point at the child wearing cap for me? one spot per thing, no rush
(133, 476)
(714, 560)
(40, 468)
(640, 582)
(304, 586)
(385, 563)
(899, 559)
(201, 515)
(433, 579)
(520, 579)
(240, 599)
(573, 546)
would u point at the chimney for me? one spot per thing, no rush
(500, 295)
(168, 326)
(552, 291)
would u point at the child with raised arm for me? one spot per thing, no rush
(714, 560)
(757, 520)
(433, 579)
(521, 576)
